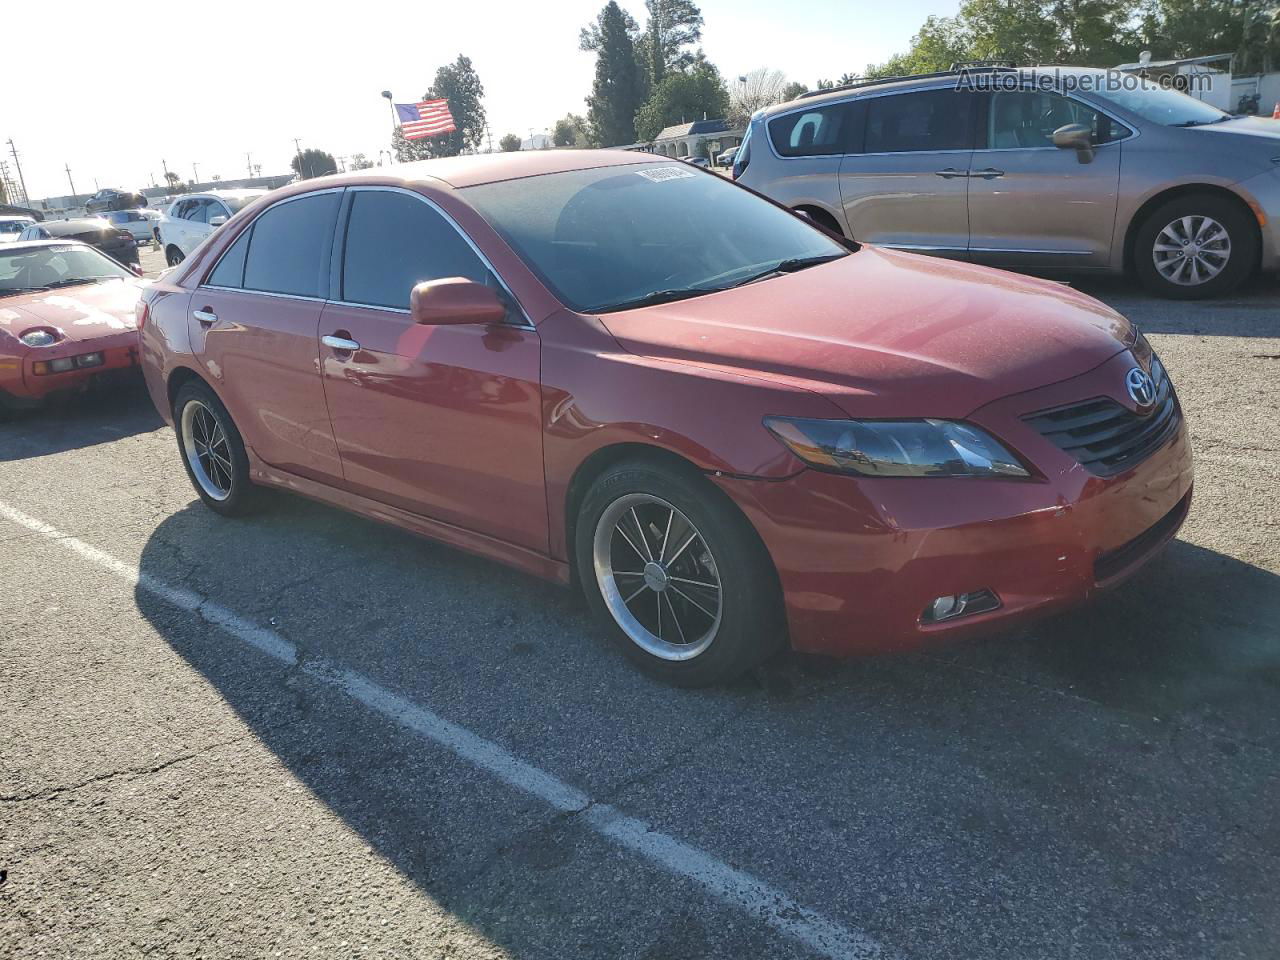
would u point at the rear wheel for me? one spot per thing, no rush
(212, 451)
(677, 574)
(173, 256)
(1195, 246)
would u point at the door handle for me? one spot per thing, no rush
(340, 343)
(207, 317)
(950, 173)
(990, 173)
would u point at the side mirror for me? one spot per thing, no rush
(135, 269)
(217, 221)
(1077, 137)
(455, 300)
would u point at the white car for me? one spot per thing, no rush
(141, 223)
(193, 217)
(11, 227)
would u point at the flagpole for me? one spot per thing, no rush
(395, 119)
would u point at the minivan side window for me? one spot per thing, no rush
(1027, 118)
(395, 241)
(926, 120)
(287, 251)
(821, 131)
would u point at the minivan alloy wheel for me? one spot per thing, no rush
(657, 577)
(1191, 250)
(208, 453)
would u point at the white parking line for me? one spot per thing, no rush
(726, 884)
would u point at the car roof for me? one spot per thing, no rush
(78, 225)
(471, 170)
(222, 194)
(901, 84)
(9, 248)
(18, 216)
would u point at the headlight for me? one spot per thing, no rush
(896, 448)
(38, 338)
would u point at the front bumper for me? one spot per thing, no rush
(860, 559)
(21, 386)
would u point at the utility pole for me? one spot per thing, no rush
(488, 132)
(297, 144)
(22, 181)
(165, 167)
(196, 169)
(395, 118)
(248, 160)
(72, 182)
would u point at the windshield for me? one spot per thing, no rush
(43, 268)
(622, 235)
(236, 203)
(1158, 104)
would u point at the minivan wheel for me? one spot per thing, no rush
(212, 451)
(1195, 246)
(677, 575)
(173, 256)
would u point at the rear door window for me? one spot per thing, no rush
(924, 121)
(288, 251)
(394, 242)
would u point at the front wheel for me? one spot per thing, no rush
(1195, 246)
(679, 577)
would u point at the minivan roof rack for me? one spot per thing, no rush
(976, 65)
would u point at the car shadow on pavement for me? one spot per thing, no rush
(1252, 311)
(1020, 769)
(66, 423)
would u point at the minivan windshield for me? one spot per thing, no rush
(1158, 104)
(627, 236)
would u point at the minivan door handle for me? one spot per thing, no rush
(990, 173)
(340, 343)
(950, 173)
(206, 317)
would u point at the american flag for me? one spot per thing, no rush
(430, 118)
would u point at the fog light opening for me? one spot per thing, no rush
(951, 606)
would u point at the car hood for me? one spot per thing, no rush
(887, 334)
(1261, 127)
(81, 313)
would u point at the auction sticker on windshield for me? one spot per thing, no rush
(659, 174)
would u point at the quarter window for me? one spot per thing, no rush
(394, 242)
(230, 269)
(287, 251)
(1026, 118)
(919, 122)
(808, 133)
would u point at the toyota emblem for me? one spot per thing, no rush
(1141, 387)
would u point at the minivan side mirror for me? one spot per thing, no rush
(1077, 137)
(455, 300)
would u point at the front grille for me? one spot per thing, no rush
(1116, 561)
(1107, 438)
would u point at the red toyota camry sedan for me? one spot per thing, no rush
(731, 430)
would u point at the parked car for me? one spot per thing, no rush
(140, 224)
(11, 227)
(1050, 168)
(67, 319)
(111, 198)
(763, 437)
(94, 231)
(697, 161)
(725, 159)
(191, 218)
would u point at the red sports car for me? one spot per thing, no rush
(732, 430)
(67, 317)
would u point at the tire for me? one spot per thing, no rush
(173, 256)
(708, 635)
(1226, 227)
(220, 478)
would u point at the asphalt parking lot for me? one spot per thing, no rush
(302, 734)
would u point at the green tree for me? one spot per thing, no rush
(941, 42)
(510, 143)
(360, 162)
(672, 28)
(459, 85)
(571, 131)
(793, 90)
(617, 91)
(683, 96)
(174, 183)
(313, 163)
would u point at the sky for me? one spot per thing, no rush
(204, 84)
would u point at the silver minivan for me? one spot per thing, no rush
(1045, 168)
